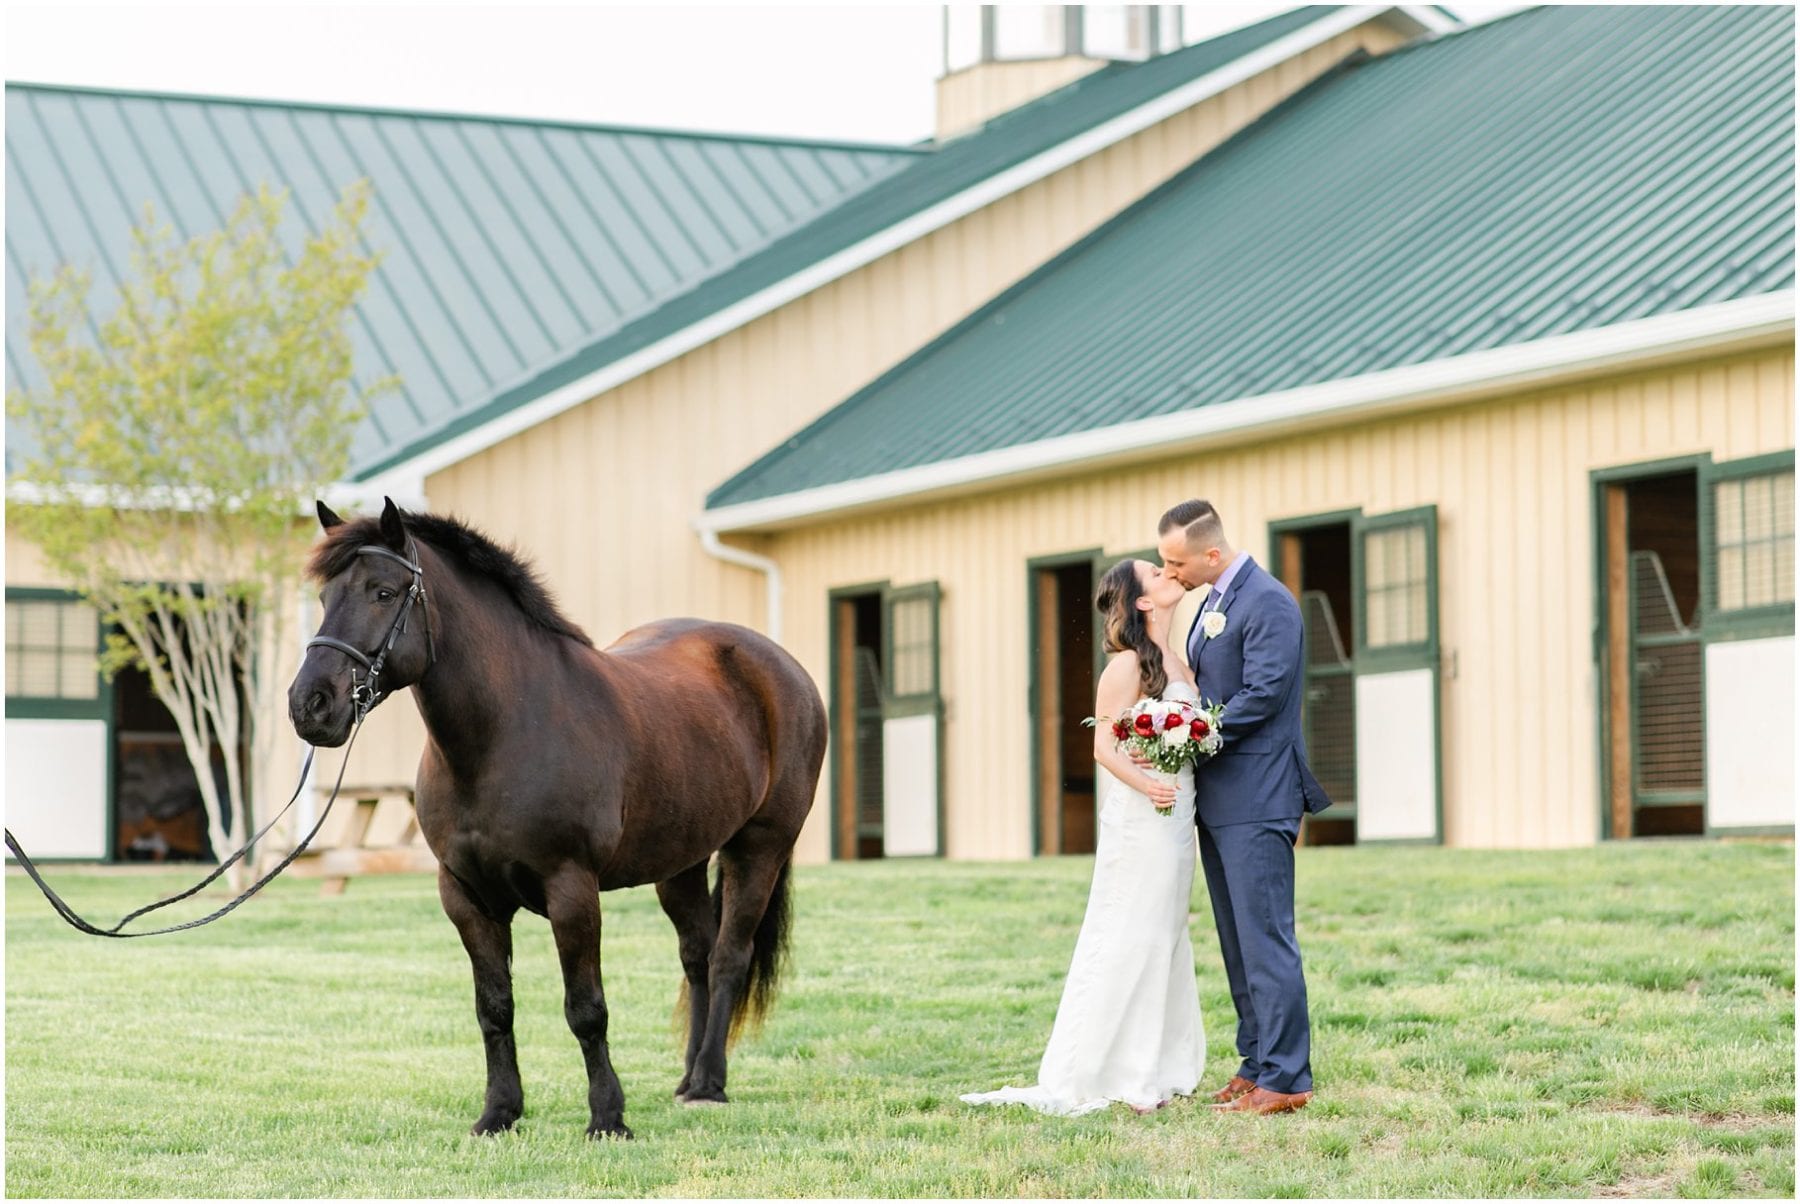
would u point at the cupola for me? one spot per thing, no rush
(999, 56)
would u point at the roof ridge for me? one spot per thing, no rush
(1112, 68)
(1032, 279)
(1464, 28)
(950, 158)
(916, 149)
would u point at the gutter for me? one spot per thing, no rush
(709, 539)
(1731, 326)
(903, 233)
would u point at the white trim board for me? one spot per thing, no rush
(1714, 330)
(407, 492)
(907, 231)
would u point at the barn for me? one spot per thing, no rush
(1480, 338)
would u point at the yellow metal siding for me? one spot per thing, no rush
(1510, 480)
(25, 567)
(603, 494)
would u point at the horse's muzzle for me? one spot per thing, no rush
(320, 713)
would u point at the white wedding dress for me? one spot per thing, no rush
(1128, 1028)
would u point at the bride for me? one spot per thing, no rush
(1128, 1028)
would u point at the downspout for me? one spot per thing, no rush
(709, 539)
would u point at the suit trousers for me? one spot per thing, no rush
(1250, 877)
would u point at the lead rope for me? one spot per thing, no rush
(77, 922)
(366, 694)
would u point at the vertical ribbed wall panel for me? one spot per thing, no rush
(1510, 478)
(648, 451)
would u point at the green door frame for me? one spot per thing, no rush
(1306, 522)
(832, 715)
(1598, 480)
(1415, 656)
(1034, 693)
(101, 707)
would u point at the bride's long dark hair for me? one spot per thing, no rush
(1127, 628)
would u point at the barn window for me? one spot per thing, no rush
(1754, 548)
(1396, 590)
(1116, 31)
(962, 36)
(912, 669)
(1029, 31)
(50, 649)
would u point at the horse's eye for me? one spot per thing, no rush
(384, 595)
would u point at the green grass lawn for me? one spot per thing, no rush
(1610, 1021)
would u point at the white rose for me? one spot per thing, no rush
(1175, 737)
(1212, 623)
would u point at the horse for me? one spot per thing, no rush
(554, 770)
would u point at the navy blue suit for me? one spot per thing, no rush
(1248, 801)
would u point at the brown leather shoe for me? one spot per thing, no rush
(1266, 1103)
(1239, 1085)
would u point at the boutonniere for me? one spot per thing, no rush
(1212, 623)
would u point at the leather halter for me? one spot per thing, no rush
(367, 693)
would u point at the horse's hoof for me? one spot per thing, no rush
(704, 1099)
(600, 1132)
(492, 1123)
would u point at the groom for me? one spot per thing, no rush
(1245, 643)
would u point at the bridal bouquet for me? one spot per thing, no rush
(1168, 734)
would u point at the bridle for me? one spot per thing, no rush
(367, 693)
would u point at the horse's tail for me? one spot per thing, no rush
(768, 954)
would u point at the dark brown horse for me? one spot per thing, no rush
(554, 770)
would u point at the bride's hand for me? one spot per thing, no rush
(1160, 793)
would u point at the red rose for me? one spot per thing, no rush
(1198, 729)
(1120, 731)
(1145, 725)
(1172, 722)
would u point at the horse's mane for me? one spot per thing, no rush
(468, 548)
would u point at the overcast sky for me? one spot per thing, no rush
(837, 71)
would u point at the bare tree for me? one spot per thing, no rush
(173, 449)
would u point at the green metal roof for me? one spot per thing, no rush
(509, 245)
(956, 165)
(1558, 170)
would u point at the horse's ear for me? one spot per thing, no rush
(392, 530)
(328, 517)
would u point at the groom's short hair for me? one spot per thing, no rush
(1204, 527)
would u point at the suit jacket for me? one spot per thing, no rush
(1255, 666)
